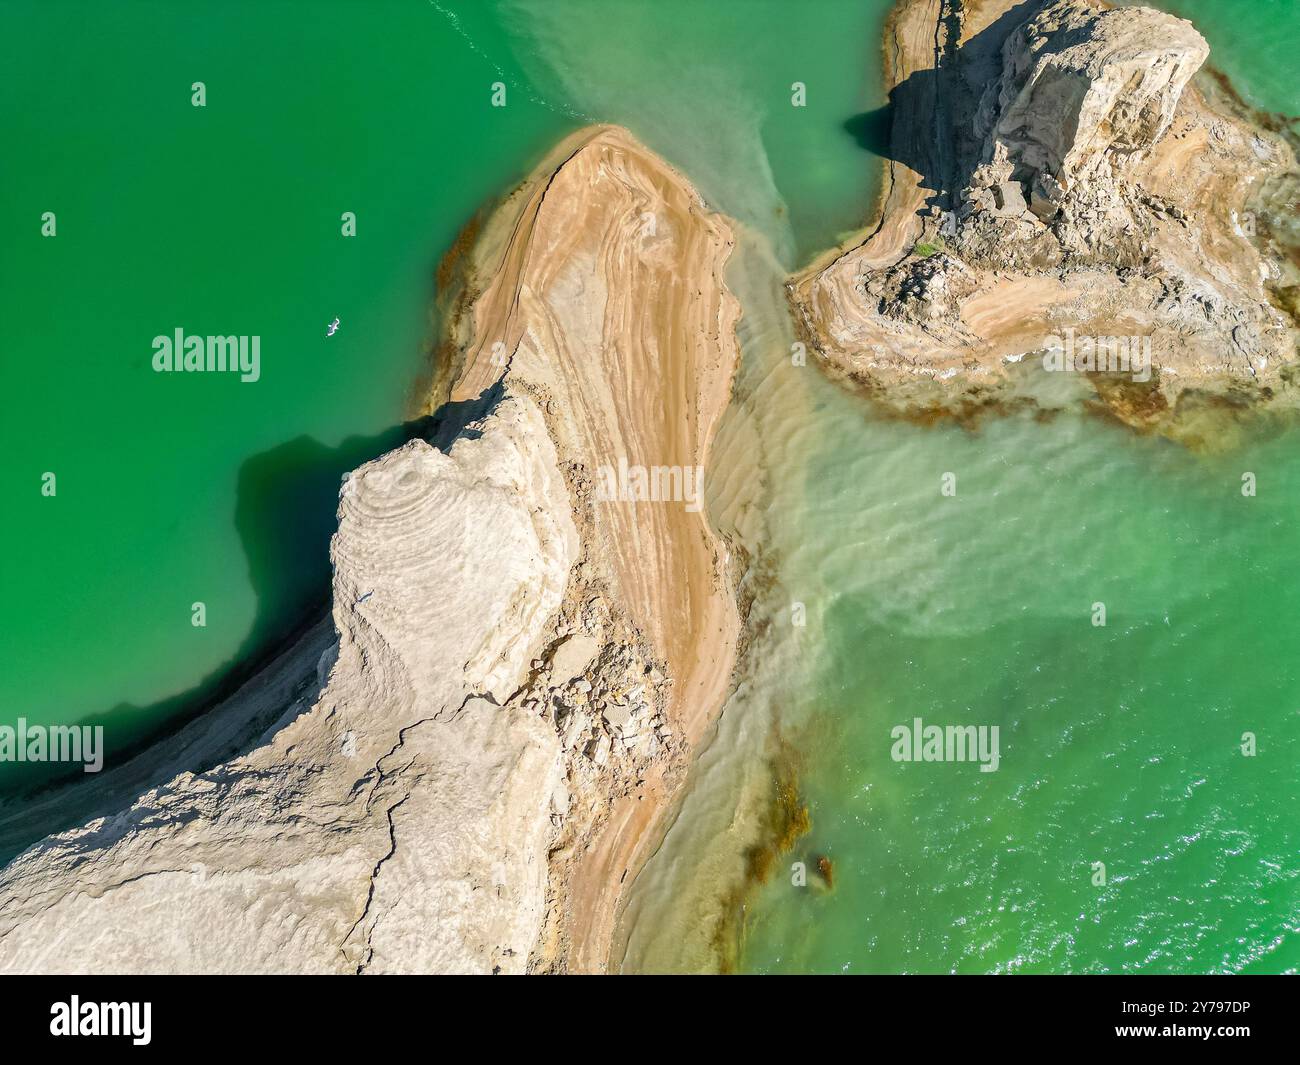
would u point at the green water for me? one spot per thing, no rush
(709, 86)
(1119, 744)
(224, 219)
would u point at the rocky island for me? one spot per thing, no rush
(1055, 174)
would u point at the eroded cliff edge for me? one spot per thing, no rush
(1056, 173)
(464, 774)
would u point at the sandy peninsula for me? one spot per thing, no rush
(464, 771)
(605, 298)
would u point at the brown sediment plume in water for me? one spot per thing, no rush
(1138, 404)
(456, 287)
(968, 411)
(786, 820)
(455, 260)
(1273, 121)
(1204, 422)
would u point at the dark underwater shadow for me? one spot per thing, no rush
(285, 515)
(871, 130)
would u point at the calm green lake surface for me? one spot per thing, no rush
(225, 219)
(1119, 744)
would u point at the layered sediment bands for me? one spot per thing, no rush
(606, 300)
(609, 299)
(1054, 168)
(469, 775)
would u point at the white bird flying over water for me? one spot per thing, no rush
(332, 328)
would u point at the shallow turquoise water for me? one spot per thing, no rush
(1119, 744)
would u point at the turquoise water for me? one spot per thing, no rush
(709, 86)
(1120, 744)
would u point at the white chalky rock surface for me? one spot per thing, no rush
(399, 824)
